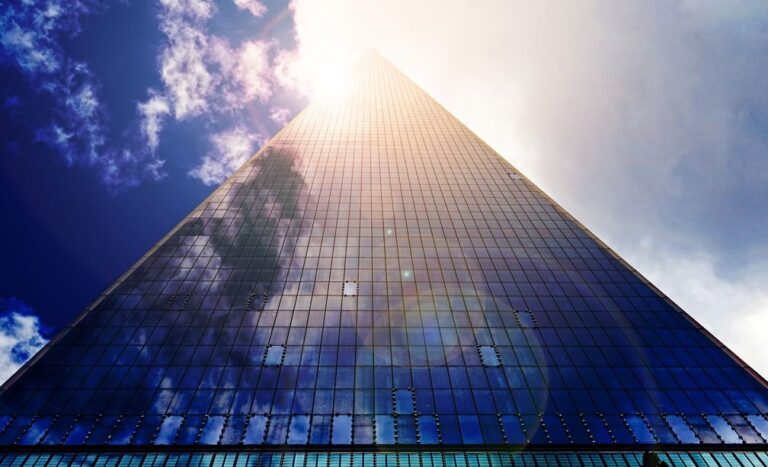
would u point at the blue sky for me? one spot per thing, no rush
(116, 119)
(647, 121)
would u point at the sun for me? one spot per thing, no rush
(318, 74)
(327, 82)
(326, 77)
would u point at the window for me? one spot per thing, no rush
(274, 355)
(488, 355)
(256, 302)
(350, 288)
(525, 319)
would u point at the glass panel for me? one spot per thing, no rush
(470, 429)
(682, 430)
(723, 429)
(350, 288)
(299, 430)
(254, 433)
(385, 429)
(488, 356)
(342, 429)
(640, 430)
(760, 423)
(168, 430)
(274, 355)
(212, 430)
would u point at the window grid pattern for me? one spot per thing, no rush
(373, 459)
(482, 313)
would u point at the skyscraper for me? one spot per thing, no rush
(378, 287)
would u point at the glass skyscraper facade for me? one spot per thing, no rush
(378, 287)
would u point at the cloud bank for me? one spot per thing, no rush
(20, 336)
(646, 120)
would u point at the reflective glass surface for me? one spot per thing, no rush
(379, 275)
(379, 459)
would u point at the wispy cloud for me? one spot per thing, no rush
(20, 336)
(254, 7)
(182, 60)
(242, 74)
(77, 131)
(230, 149)
(252, 70)
(203, 75)
(152, 113)
(202, 72)
(279, 115)
(294, 69)
(206, 76)
(31, 34)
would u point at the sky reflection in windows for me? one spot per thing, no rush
(378, 275)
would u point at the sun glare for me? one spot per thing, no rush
(327, 82)
(326, 77)
(320, 75)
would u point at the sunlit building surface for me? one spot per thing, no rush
(378, 287)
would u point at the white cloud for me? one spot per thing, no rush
(640, 118)
(291, 72)
(254, 7)
(198, 10)
(31, 34)
(20, 339)
(279, 115)
(735, 311)
(205, 76)
(231, 148)
(243, 74)
(252, 70)
(201, 72)
(182, 60)
(152, 112)
(31, 57)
